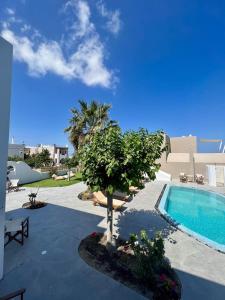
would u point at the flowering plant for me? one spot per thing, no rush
(166, 282)
(93, 234)
(149, 254)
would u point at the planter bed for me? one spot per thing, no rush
(119, 263)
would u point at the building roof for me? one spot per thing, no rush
(207, 158)
(210, 158)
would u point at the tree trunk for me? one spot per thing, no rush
(109, 218)
(68, 174)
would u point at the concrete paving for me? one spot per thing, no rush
(200, 268)
(49, 266)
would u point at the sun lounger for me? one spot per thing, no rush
(133, 189)
(16, 230)
(199, 178)
(55, 177)
(121, 196)
(183, 177)
(100, 198)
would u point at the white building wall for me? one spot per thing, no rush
(54, 150)
(16, 150)
(24, 173)
(5, 94)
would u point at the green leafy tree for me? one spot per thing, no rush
(30, 160)
(115, 161)
(86, 121)
(39, 160)
(69, 163)
(43, 159)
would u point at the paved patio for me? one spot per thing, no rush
(200, 268)
(49, 266)
(57, 229)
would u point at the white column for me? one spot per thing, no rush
(5, 89)
(58, 156)
(212, 174)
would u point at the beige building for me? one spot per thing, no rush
(182, 157)
(56, 152)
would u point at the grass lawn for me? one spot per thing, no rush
(55, 183)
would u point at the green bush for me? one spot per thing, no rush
(149, 255)
(15, 158)
(39, 160)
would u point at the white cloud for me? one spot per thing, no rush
(86, 60)
(47, 57)
(88, 64)
(10, 11)
(84, 26)
(113, 23)
(25, 28)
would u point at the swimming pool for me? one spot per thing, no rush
(198, 212)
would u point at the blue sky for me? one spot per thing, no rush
(160, 63)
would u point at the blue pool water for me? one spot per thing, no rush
(199, 211)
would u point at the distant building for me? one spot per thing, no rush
(16, 150)
(182, 156)
(56, 152)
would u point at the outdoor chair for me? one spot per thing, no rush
(16, 230)
(13, 185)
(100, 198)
(13, 295)
(183, 177)
(199, 178)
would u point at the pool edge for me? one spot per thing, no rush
(159, 206)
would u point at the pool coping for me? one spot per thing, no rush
(160, 208)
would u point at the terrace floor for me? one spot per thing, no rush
(49, 266)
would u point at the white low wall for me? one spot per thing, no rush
(163, 176)
(24, 173)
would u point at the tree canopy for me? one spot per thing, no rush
(115, 161)
(86, 121)
(39, 160)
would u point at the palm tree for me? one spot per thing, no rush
(87, 120)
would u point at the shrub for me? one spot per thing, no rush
(15, 158)
(149, 255)
(30, 160)
(39, 160)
